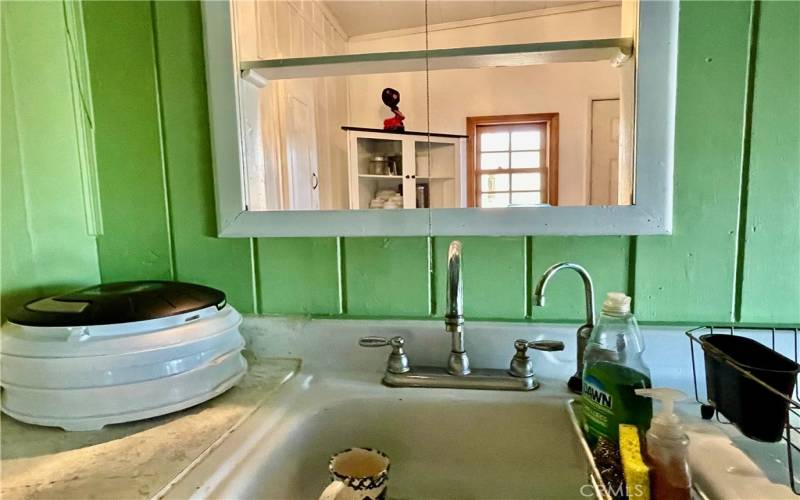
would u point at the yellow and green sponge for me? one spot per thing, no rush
(637, 479)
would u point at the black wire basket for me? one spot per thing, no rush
(750, 383)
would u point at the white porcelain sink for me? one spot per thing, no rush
(443, 443)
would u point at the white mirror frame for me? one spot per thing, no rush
(656, 71)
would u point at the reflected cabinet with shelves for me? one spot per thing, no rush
(405, 169)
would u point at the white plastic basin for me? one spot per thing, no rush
(86, 377)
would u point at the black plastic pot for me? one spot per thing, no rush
(759, 413)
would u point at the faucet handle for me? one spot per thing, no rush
(539, 345)
(521, 364)
(398, 359)
(395, 342)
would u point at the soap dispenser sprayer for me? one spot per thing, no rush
(667, 448)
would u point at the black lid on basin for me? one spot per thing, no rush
(112, 303)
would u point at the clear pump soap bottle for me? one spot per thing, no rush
(667, 449)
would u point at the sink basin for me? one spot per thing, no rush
(447, 443)
(443, 443)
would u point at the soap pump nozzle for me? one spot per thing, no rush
(666, 423)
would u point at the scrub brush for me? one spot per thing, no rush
(609, 465)
(637, 479)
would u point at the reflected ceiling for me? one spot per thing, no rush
(362, 17)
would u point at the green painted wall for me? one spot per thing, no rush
(734, 255)
(771, 216)
(693, 271)
(136, 241)
(46, 245)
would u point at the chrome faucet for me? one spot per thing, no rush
(458, 375)
(585, 330)
(458, 363)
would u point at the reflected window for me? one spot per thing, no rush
(513, 160)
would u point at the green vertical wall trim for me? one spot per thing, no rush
(46, 248)
(493, 273)
(298, 276)
(430, 288)
(387, 276)
(120, 47)
(689, 276)
(529, 284)
(437, 268)
(434, 287)
(744, 176)
(160, 110)
(342, 288)
(18, 261)
(770, 278)
(253, 272)
(83, 114)
(605, 257)
(200, 257)
(256, 281)
(632, 270)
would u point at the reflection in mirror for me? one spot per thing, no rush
(501, 104)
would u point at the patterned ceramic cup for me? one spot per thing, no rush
(357, 474)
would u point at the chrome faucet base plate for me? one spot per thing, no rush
(479, 378)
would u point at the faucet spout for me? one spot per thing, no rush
(454, 308)
(585, 330)
(458, 363)
(588, 287)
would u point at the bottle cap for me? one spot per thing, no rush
(666, 423)
(617, 303)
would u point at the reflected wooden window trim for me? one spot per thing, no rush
(549, 169)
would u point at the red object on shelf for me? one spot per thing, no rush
(395, 122)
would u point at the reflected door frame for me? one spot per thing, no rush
(549, 120)
(615, 173)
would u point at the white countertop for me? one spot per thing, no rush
(132, 460)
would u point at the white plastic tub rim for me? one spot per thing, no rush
(109, 370)
(85, 332)
(84, 341)
(93, 408)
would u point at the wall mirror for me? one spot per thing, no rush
(417, 117)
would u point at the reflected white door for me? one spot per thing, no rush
(603, 185)
(301, 148)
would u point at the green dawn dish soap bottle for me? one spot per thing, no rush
(612, 370)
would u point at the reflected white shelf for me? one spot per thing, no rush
(611, 49)
(425, 177)
(375, 176)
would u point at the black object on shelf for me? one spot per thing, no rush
(756, 411)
